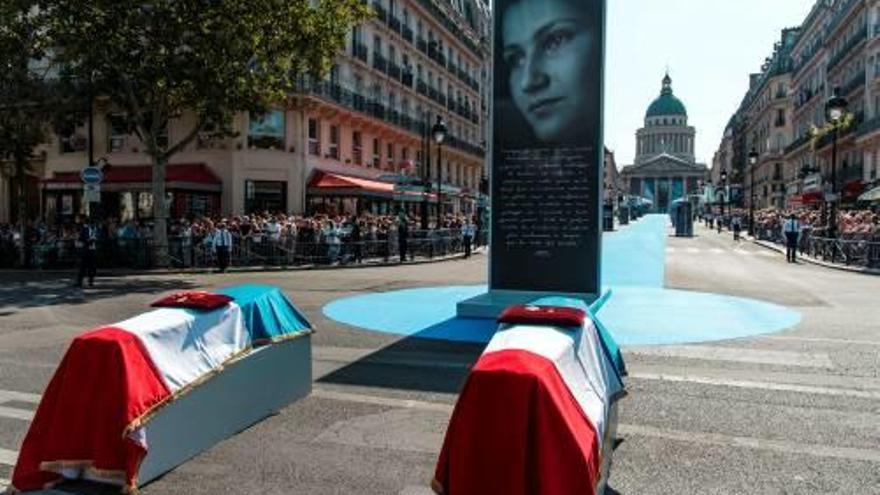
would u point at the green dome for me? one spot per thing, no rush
(666, 103)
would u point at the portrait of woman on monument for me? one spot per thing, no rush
(548, 93)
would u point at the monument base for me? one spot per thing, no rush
(489, 306)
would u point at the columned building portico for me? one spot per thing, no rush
(665, 167)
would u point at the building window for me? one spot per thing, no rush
(314, 137)
(334, 142)
(117, 134)
(262, 196)
(390, 155)
(356, 148)
(377, 157)
(71, 138)
(266, 131)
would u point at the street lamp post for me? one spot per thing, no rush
(835, 109)
(753, 161)
(439, 134)
(723, 192)
(426, 170)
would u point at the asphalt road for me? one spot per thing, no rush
(795, 412)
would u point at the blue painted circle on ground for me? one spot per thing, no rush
(640, 311)
(634, 315)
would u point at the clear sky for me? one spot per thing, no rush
(710, 47)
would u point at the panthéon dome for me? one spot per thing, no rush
(666, 104)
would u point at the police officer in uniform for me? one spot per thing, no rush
(88, 242)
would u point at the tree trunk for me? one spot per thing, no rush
(21, 206)
(160, 214)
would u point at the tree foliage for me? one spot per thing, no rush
(158, 60)
(22, 89)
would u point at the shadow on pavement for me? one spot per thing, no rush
(57, 289)
(415, 363)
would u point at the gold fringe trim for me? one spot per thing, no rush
(144, 418)
(436, 486)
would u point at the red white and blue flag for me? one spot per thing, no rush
(92, 418)
(533, 414)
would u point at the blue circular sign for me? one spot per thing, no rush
(92, 175)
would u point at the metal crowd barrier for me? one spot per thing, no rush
(850, 250)
(255, 250)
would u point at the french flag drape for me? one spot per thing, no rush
(531, 418)
(92, 418)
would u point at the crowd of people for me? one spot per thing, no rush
(855, 224)
(319, 238)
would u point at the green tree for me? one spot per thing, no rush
(208, 59)
(23, 97)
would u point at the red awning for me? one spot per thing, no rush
(180, 176)
(853, 189)
(812, 197)
(329, 183)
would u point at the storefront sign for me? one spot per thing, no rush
(547, 146)
(813, 183)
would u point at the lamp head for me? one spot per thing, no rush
(724, 176)
(753, 156)
(835, 108)
(439, 131)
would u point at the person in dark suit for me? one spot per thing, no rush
(355, 238)
(88, 242)
(402, 235)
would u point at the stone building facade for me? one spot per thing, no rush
(351, 142)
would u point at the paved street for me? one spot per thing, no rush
(795, 412)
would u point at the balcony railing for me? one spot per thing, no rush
(422, 87)
(394, 71)
(858, 81)
(407, 33)
(841, 15)
(380, 62)
(375, 108)
(438, 14)
(422, 45)
(381, 12)
(394, 24)
(407, 78)
(359, 50)
(797, 143)
(869, 126)
(860, 36)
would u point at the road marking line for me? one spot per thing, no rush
(786, 447)
(823, 340)
(693, 250)
(779, 387)
(8, 395)
(670, 250)
(8, 457)
(742, 252)
(768, 254)
(16, 413)
(716, 250)
(382, 401)
(758, 356)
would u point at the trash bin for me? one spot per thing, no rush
(684, 220)
(623, 215)
(608, 218)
